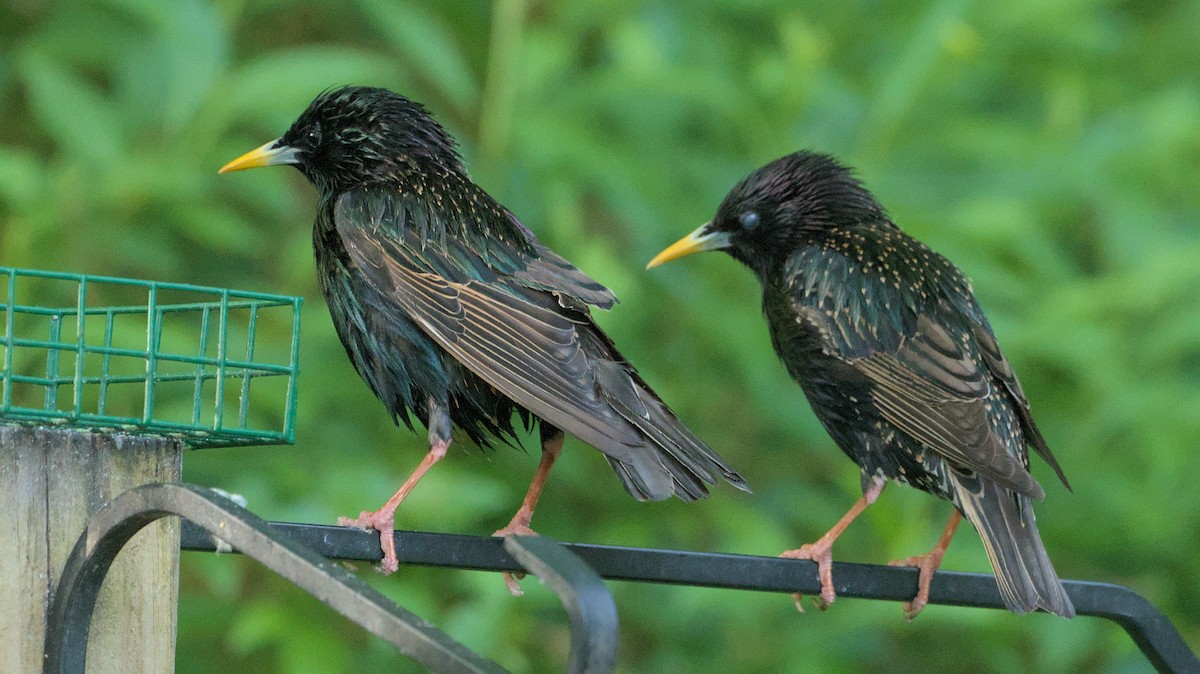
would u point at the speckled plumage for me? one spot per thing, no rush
(453, 312)
(894, 355)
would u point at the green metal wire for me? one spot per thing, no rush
(104, 376)
(244, 399)
(222, 346)
(153, 335)
(8, 338)
(119, 395)
(200, 370)
(52, 362)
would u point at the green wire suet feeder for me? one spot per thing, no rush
(146, 357)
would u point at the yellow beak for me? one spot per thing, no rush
(704, 238)
(271, 154)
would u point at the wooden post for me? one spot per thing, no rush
(51, 481)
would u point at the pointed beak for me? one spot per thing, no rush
(704, 238)
(271, 154)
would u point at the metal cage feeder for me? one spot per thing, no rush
(147, 357)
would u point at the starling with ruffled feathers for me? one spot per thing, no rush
(454, 313)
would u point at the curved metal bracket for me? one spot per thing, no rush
(587, 601)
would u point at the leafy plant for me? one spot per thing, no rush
(1048, 148)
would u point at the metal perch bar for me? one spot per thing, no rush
(1154, 634)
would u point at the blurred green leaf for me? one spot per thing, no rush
(166, 78)
(22, 177)
(427, 47)
(71, 111)
(269, 88)
(220, 229)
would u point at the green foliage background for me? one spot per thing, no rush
(1049, 147)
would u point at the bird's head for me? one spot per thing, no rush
(354, 135)
(789, 202)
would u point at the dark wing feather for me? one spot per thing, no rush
(915, 337)
(932, 389)
(526, 331)
(530, 353)
(551, 273)
(998, 364)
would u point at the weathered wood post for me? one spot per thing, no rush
(51, 482)
(103, 382)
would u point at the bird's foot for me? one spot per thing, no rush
(515, 529)
(384, 522)
(926, 564)
(519, 526)
(821, 553)
(512, 582)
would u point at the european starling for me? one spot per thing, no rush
(897, 361)
(453, 312)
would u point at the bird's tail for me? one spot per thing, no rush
(1010, 536)
(671, 460)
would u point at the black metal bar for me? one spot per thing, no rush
(1158, 638)
(589, 604)
(111, 528)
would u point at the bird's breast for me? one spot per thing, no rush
(400, 363)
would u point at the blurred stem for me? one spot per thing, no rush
(499, 92)
(233, 12)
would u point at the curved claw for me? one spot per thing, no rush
(384, 522)
(926, 564)
(822, 553)
(517, 527)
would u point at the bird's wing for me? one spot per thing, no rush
(999, 367)
(932, 388)
(919, 353)
(551, 273)
(519, 339)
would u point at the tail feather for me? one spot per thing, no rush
(643, 477)
(1006, 523)
(670, 448)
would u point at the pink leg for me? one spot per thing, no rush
(383, 520)
(927, 563)
(821, 551)
(519, 525)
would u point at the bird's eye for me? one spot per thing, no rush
(749, 220)
(313, 137)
